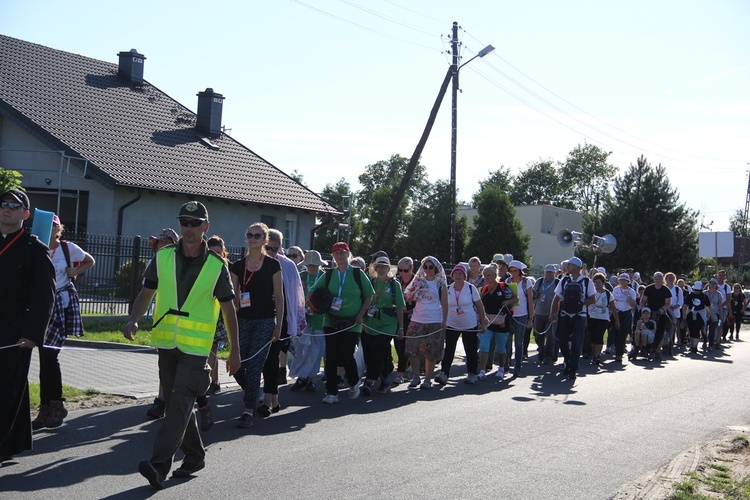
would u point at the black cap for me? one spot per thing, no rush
(194, 210)
(22, 197)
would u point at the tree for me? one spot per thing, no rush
(738, 225)
(540, 181)
(9, 179)
(496, 228)
(654, 230)
(587, 176)
(340, 196)
(298, 177)
(379, 183)
(430, 225)
(500, 177)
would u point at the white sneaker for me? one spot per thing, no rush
(471, 379)
(500, 373)
(330, 399)
(414, 382)
(354, 391)
(482, 375)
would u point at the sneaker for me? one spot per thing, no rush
(310, 386)
(206, 417)
(263, 411)
(152, 474)
(354, 391)
(187, 469)
(213, 388)
(482, 375)
(384, 386)
(330, 399)
(245, 421)
(157, 409)
(398, 380)
(300, 384)
(441, 378)
(414, 382)
(471, 379)
(500, 373)
(366, 388)
(426, 385)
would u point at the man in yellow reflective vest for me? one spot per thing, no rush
(192, 285)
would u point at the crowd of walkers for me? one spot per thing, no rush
(285, 311)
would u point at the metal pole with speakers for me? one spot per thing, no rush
(599, 244)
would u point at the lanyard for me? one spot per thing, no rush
(11, 242)
(244, 274)
(380, 292)
(545, 288)
(341, 279)
(307, 279)
(457, 294)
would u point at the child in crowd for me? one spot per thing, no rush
(645, 331)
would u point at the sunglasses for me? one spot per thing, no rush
(254, 236)
(11, 205)
(190, 222)
(408, 270)
(293, 255)
(269, 248)
(429, 266)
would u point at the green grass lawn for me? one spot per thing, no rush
(69, 393)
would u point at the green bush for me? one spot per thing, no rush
(124, 277)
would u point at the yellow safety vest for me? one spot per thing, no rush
(192, 328)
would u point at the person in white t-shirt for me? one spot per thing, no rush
(625, 303)
(598, 316)
(466, 318)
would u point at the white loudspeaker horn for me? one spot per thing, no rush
(607, 243)
(566, 238)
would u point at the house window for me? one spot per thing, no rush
(290, 233)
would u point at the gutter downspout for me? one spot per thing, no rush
(120, 213)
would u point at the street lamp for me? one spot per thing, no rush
(454, 119)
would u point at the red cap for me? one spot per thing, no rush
(341, 245)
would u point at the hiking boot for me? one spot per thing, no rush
(57, 413)
(40, 421)
(206, 417)
(157, 410)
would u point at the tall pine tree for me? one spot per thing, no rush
(654, 231)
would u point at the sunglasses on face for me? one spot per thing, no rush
(293, 255)
(269, 248)
(404, 270)
(253, 236)
(429, 266)
(11, 205)
(190, 222)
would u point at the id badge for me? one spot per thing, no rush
(542, 298)
(245, 299)
(372, 311)
(460, 311)
(337, 303)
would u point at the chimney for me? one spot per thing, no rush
(131, 66)
(210, 105)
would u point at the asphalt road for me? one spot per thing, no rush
(532, 437)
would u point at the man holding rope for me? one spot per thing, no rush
(191, 284)
(26, 303)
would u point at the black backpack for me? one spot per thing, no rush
(574, 293)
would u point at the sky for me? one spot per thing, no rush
(325, 88)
